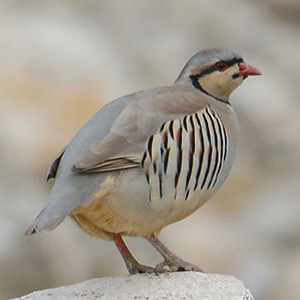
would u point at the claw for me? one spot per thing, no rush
(160, 268)
(179, 265)
(176, 264)
(138, 268)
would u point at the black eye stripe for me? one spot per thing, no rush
(211, 69)
(233, 61)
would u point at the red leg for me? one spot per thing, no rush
(173, 261)
(132, 265)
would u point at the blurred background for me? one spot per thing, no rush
(62, 60)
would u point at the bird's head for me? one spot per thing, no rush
(216, 72)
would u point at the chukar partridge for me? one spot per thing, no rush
(150, 159)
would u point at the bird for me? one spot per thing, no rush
(149, 159)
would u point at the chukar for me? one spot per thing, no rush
(150, 159)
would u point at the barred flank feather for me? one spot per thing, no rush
(190, 151)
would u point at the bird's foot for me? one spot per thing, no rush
(172, 261)
(176, 264)
(136, 268)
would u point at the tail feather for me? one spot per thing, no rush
(47, 220)
(59, 205)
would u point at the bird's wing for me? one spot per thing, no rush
(124, 145)
(54, 166)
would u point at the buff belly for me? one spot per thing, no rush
(116, 208)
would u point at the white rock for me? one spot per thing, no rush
(187, 285)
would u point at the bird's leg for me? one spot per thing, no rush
(174, 262)
(132, 265)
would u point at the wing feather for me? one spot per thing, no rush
(55, 164)
(114, 164)
(123, 146)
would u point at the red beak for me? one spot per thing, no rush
(247, 70)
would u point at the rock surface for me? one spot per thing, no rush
(150, 286)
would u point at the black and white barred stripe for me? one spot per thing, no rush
(186, 154)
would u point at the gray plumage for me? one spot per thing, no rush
(150, 158)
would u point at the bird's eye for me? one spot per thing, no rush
(221, 66)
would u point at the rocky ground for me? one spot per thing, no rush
(171, 286)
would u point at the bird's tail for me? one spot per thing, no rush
(47, 220)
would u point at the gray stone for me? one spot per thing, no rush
(187, 285)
